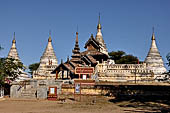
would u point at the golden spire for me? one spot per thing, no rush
(76, 37)
(49, 39)
(153, 35)
(99, 25)
(14, 41)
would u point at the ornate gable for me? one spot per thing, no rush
(92, 44)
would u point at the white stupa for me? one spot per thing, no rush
(13, 53)
(48, 62)
(154, 60)
(99, 38)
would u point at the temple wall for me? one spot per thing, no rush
(124, 72)
(68, 89)
(42, 77)
(33, 89)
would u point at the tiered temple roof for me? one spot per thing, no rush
(154, 60)
(92, 44)
(76, 57)
(71, 64)
(93, 49)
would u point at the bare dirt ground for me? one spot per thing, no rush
(88, 104)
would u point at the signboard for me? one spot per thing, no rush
(52, 90)
(77, 88)
(52, 93)
(84, 70)
(84, 77)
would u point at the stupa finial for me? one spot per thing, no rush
(14, 41)
(49, 39)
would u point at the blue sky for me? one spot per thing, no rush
(126, 25)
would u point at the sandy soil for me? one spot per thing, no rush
(87, 105)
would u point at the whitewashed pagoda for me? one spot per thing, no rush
(48, 62)
(13, 53)
(154, 60)
(99, 38)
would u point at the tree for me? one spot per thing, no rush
(33, 67)
(168, 58)
(10, 69)
(116, 55)
(167, 77)
(120, 57)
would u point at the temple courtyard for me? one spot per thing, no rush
(88, 104)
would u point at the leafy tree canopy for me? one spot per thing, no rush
(10, 69)
(33, 67)
(120, 57)
(167, 76)
(168, 58)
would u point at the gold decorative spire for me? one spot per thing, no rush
(49, 39)
(153, 35)
(99, 25)
(14, 41)
(99, 38)
(76, 37)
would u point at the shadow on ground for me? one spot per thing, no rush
(143, 104)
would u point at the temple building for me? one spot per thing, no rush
(48, 62)
(152, 69)
(154, 60)
(67, 70)
(93, 48)
(13, 53)
(95, 52)
(105, 69)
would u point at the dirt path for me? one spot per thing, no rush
(44, 106)
(88, 104)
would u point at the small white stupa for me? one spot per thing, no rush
(13, 53)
